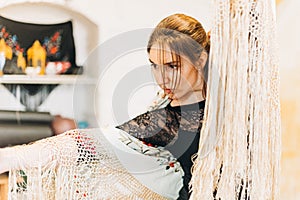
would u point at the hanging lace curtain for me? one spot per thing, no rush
(239, 148)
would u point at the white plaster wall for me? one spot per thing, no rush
(288, 27)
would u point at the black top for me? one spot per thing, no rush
(175, 128)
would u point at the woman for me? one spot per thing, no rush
(98, 164)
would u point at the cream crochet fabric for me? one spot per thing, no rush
(75, 165)
(239, 148)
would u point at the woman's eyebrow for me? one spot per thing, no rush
(167, 63)
(172, 62)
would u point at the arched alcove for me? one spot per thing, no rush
(86, 38)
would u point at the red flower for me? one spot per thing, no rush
(150, 145)
(53, 50)
(55, 36)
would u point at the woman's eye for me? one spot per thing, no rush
(173, 66)
(153, 65)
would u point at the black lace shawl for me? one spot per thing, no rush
(162, 127)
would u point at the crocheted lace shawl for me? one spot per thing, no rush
(239, 149)
(79, 164)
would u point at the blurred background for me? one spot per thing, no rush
(288, 27)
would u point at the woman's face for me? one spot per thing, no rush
(179, 79)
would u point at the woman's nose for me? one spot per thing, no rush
(162, 78)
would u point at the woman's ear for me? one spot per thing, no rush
(202, 60)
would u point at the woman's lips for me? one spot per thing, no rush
(167, 91)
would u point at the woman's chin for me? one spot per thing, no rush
(171, 96)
